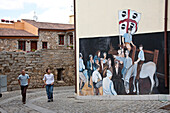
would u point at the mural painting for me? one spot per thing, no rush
(120, 65)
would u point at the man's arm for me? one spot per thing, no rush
(123, 41)
(28, 81)
(137, 61)
(44, 82)
(19, 82)
(132, 43)
(112, 89)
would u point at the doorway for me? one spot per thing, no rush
(33, 45)
(60, 74)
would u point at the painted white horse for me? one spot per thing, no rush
(148, 70)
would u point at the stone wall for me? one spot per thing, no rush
(52, 37)
(8, 44)
(35, 64)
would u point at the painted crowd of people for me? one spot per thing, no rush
(112, 78)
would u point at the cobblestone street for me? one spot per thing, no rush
(65, 102)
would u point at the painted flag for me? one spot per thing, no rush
(128, 19)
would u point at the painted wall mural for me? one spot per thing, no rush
(124, 64)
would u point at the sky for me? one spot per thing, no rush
(55, 11)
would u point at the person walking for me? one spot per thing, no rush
(23, 80)
(49, 82)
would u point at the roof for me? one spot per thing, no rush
(14, 32)
(52, 26)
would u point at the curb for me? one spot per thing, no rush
(159, 97)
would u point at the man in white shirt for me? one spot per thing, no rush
(97, 79)
(108, 87)
(49, 82)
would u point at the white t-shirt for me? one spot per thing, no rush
(49, 78)
(95, 76)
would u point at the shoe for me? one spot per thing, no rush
(89, 86)
(24, 102)
(51, 100)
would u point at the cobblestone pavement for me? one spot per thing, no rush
(65, 102)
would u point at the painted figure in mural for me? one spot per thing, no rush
(97, 79)
(49, 82)
(103, 60)
(117, 79)
(127, 39)
(90, 66)
(127, 62)
(82, 73)
(108, 87)
(97, 56)
(140, 61)
(23, 80)
(96, 64)
(109, 63)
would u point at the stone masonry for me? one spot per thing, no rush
(35, 64)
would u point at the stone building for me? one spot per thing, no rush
(36, 46)
(30, 35)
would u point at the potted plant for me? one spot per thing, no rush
(33, 50)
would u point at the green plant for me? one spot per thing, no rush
(33, 50)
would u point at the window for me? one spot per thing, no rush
(71, 39)
(61, 39)
(44, 45)
(21, 45)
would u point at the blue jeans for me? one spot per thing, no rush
(49, 90)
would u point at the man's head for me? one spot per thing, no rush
(98, 53)
(98, 67)
(80, 55)
(119, 51)
(129, 30)
(104, 54)
(141, 47)
(91, 57)
(116, 64)
(97, 61)
(127, 53)
(109, 74)
(23, 72)
(48, 70)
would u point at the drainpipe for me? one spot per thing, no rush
(165, 43)
(75, 46)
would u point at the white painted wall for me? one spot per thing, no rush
(100, 17)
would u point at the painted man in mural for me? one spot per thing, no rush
(90, 66)
(103, 60)
(82, 73)
(108, 87)
(127, 63)
(127, 39)
(117, 79)
(97, 56)
(97, 79)
(140, 61)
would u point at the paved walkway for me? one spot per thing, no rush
(65, 102)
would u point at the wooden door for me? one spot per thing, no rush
(33, 45)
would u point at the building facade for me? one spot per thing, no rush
(98, 29)
(29, 35)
